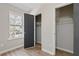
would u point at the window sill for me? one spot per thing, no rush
(16, 39)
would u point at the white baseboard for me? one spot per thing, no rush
(64, 50)
(51, 53)
(1, 52)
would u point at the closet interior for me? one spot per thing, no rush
(64, 28)
(38, 29)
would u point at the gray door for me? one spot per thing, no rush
(28, 30)
(76, 28)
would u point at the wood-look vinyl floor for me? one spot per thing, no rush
(33, 51)
(63, 53)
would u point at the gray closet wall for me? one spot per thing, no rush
(75, 16)
(38, 28)
(65, 28)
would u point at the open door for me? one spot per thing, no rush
(28, 30)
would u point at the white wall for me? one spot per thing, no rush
(48, 27)
(6, 44)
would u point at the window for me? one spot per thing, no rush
(15, 26)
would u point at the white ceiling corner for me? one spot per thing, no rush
(28, 7)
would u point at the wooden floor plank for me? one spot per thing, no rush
(34, 51)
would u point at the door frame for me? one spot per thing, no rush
(34, 31)
(56, 22)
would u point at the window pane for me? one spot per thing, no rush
(18, 20)
(12, 19)
(15, 26)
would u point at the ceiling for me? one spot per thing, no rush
(27, 6)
